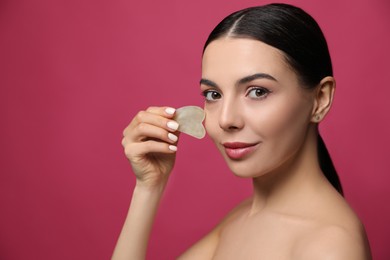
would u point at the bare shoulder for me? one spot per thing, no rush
(336, 243)
(205, 248)
(340, 237)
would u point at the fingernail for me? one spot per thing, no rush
(173, 125)
(170, 110)
(173, 148)
(172, 137)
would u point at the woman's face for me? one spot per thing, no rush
(257, 113)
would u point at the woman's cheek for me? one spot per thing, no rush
(211, 133)
(212, 126)
(209, 123)
(289, 123)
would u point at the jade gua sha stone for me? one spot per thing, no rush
(190, 120)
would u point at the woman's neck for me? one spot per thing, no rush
(289, 186)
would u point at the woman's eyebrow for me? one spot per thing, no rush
(255, 76)
(244, 80)
(208, 83)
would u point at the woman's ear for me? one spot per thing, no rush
(323, 98)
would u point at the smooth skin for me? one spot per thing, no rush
(251, 96)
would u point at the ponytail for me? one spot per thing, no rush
(327, 166)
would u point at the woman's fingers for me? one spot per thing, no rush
(139, 128)
(151, 131)
(134, 150)
(162, 111)
(149, 143)
(145, 131)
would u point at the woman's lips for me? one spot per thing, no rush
(237, 150)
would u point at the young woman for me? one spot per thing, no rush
(267, 82)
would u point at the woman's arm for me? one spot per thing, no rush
(133, 240)
(149, 144)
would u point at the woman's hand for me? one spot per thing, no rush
(150, 145)
(149, 142)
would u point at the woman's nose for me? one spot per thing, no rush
(230, 117)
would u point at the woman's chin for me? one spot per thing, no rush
(243, 170)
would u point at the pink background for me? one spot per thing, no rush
(72, 75)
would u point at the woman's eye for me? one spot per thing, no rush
(211, 95)
(258, 92)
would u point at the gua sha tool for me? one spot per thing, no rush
(190, 120)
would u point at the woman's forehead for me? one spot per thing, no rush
(238, 57)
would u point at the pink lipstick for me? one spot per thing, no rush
(237, 150)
